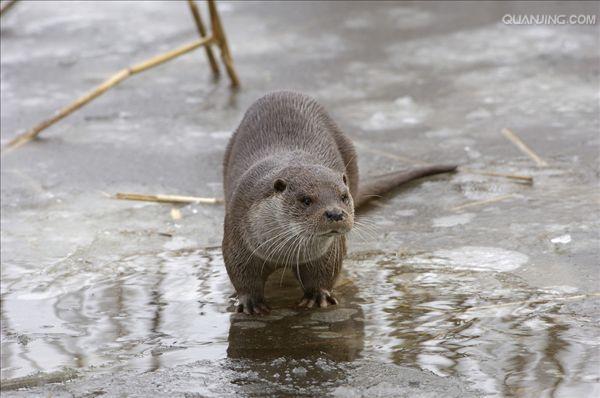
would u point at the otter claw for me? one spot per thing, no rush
(252, 306)
(322, 299)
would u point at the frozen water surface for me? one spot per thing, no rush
(499, 298)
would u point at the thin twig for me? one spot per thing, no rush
(38, 379)
(202, 32)
(167, 198)
(34, 184)
(483, 202)
(524, 148)
(526, 179)
(500, 305)
(109, 83)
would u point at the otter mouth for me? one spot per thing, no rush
(331, 233)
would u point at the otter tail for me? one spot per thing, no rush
(376, 186)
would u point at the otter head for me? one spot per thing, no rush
(301, 212)
(315, 199)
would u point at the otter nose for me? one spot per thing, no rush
(334, 215)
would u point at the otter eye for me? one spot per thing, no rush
(306, 201)
(345, 198)
(345, 179)
(279, 185)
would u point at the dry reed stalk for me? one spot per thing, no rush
(523, 147)
(221, 40)
(107, 84)
(526, 179)
(6, 5)
(167, 198)
(483, 202)
(202, 32)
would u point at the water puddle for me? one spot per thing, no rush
(451, 313)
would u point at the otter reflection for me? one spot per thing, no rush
(335, 333)
(298, 340)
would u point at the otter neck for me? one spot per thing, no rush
(288, 249)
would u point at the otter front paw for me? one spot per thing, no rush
(322, 298)
(252, 305)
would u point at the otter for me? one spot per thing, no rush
(291, 187)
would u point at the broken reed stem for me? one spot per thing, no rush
(523, 147)
(109, 83)
(526, 179)
(6, 5)
(389, 155)
(221, 40)
(483, 202)
(202, 32)
(167, 198)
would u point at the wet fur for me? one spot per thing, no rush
(289, 135)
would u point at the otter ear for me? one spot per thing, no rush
(279, 185)
(345, 179)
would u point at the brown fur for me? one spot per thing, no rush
(291, 187)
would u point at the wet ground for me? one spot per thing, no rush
(462, 285)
